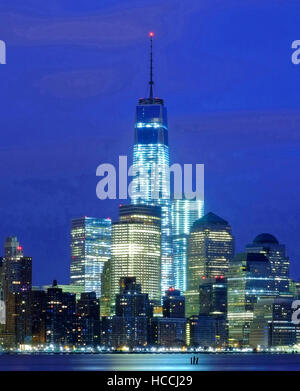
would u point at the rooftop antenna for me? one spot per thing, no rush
(151, 82)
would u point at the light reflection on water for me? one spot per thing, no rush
(149, 362)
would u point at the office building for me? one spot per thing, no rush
(129, 327)
(169, 331)
(272, 323)
(150, 186)
(184, 213)
(60, 316)
(268, 245)
(105, 298)
(210, 249)
(249, 279)
(90, 249)
(173, 304)
(16, 285)
(88, 320)
(77, 290)
(136, 250)
(213, 304)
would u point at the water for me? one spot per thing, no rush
(149, 362)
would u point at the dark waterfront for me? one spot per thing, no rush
(149, 362)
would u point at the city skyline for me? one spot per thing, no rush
(70, 86)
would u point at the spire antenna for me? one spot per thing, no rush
(151, 82)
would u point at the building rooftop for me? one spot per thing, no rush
(209, 218)
(265, 238)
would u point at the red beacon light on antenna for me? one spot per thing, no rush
(151, 34)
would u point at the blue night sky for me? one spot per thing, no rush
(74, 72)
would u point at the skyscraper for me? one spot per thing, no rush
(184, 213)
(136, 249)
(170, 330)
(60, 316)
(129, 327)
(272, 323)
(88, 313)
(16, 283)
(213, 304)
(210, 249)
(38, 316)
(280, 264)
(90, 249)
(249, 279)
(131, 302)
(173, 304)
(150, 150)
(105, 298)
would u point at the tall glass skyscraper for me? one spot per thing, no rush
(151, 149)
(210, 249)
(136, 250)
(90, 249)
(184, 213)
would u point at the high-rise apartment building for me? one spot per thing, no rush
(136, 250)
(90, 249)
(151, 187)
(184, 213)
(210, 249)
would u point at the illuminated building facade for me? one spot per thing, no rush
(272, 323)
(76, 289)
(90, 249)
(88, 320)
(213, 305)
(210, 249)
(129, 327)
(173, 304)
(131, 302)
(201, 331)
(151, 148)
(105, 290)
(280, 264)
(249, 279)
(170, 330)
(184, 213)
(61, 321)
(136, 250)
(16, 284)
